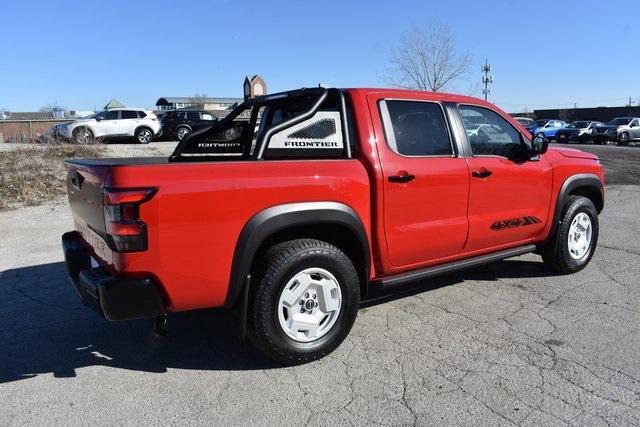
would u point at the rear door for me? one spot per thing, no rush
(426, 184)
(129, 121)
(509, 197)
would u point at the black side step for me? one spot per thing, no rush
(437, 270)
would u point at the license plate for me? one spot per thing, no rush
(94, 240)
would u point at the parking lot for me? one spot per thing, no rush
(509, 343)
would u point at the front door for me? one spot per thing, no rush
(634, 129)
(109, 123)
(509, 197)
(426, 185)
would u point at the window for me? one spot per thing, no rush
(415, 128)
(108, 115)
(207, 116)
(142, 114)
(634, 123)
(127, 114)
(488, 133)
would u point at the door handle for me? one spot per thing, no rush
(481, 173)
(402, 177)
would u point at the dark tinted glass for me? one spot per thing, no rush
(488, 133)
(419, 129)
(110, 115)
(126, 114)
(142, 114)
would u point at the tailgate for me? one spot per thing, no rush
(84, 189)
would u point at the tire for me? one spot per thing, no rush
(144, 135)
(181, 132)
(623, 139)
(563, 253)
(83, 135)
(283, 271)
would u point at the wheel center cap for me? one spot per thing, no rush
(309, 304)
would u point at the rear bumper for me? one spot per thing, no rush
(114, 298)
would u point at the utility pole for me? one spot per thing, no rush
(486, 79)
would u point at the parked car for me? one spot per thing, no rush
(579, 131)
(180, 123)
(524, 121)
(117, 123)
(334, 193)
(549, 129)
(531, 127)
(621, 129)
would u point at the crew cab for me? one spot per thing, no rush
(298, 204)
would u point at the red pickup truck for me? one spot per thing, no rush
(293, 207)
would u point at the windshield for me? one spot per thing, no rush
(579, 125)
(620, 121)
(93, 116)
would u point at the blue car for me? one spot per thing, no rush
(548, 129)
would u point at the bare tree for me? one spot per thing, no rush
(426, 58)
(52, 107)
(200, 99)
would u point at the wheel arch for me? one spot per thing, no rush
(332, 222)
(584, 184)
(139, 127)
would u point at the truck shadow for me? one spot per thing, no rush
(45, 329)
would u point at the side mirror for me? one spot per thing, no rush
(539, 146)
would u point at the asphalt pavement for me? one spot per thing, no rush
(509, 343)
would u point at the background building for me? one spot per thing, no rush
(252, 87)
(205, 103)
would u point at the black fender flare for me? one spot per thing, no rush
(277, 218)
(570, 184)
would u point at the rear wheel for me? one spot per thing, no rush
(182, 132)
(306, 301)
(574, 242)
(144, 135)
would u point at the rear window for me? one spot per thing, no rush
(142, 114)
(415, 128)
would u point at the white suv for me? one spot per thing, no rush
(140, 124)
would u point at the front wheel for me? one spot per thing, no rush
(574, 242)
(306, 301)
(144, 135)
(83, 135)
(623, 139)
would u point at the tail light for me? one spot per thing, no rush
(125, 228)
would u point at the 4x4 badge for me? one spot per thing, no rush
(514, 222)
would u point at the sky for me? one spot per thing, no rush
(79, 55)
